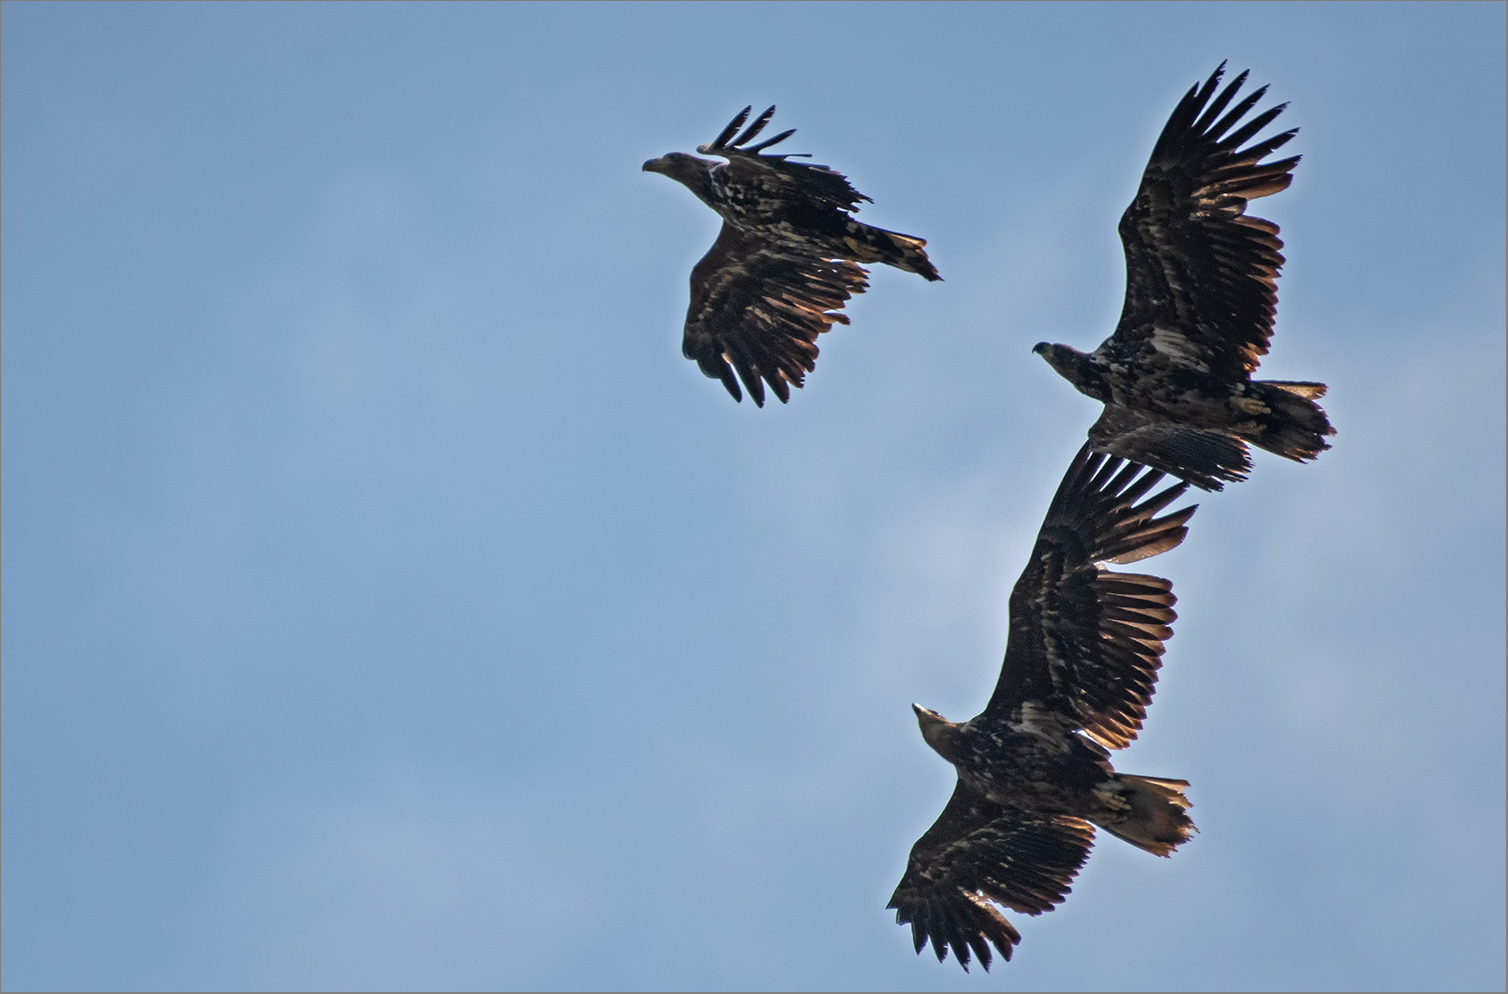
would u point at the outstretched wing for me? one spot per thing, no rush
(1207, 459)
(1082, 636)
(976, 853)
(757, 307)
(762, 189)
(1201, 275)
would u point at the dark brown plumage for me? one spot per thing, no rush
(1201, 294)
(1034, 773)
(783, 266)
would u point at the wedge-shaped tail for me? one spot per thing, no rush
(906, 252)
(1294, 426)
(1155, 818)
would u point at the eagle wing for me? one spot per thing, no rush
(1201, 275)
(1083, 637)
(1202, 457)
(976, 853)
(767, 188)
(757, 307)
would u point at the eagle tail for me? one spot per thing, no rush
(1293, 426)
(1150, 813)
(871, 244)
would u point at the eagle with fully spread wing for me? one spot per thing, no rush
(1034, 773)
(785, 262)
(1201, 294)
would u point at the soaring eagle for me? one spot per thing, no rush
(783, 265)
(1034, 773)
(1201, 292)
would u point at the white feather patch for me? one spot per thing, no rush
(1175, 346)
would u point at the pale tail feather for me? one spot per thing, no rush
(1296, 426)
(871, 244)
(1156, 821)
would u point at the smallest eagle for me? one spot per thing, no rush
(784, 264)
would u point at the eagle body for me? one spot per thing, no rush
(787, 259)
(1035, 760)
(1188, 423)
(771, 206)
(1031, 760)
(1201, 297)
(1034, 777)
(770, 202)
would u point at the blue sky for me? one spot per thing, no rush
(389, 605)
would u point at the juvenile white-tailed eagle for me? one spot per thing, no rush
(1034, 773)
(783, 265)
(1201, 293)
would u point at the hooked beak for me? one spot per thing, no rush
(1040, 348)
(655, 165)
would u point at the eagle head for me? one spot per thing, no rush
(1059, 357)
(677, 165)
(687, 170)
(1076, 367)
(937, 730)
(662, 164)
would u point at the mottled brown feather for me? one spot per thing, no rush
(976, 853)
(1083, 635)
